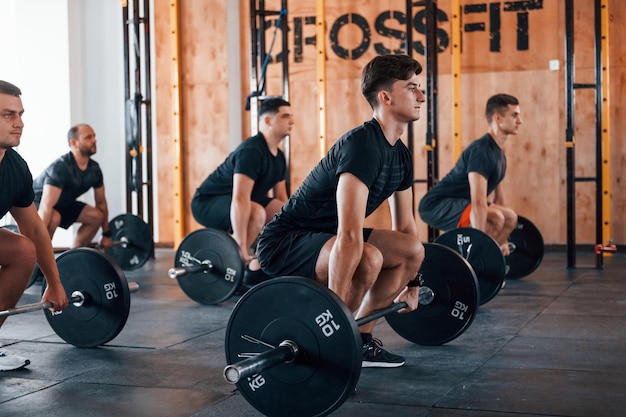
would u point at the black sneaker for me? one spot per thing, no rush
(374, 356)
(252, 278)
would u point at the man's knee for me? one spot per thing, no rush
(370, 265)
(257, 217)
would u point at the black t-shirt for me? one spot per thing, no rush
(65, 174)
(483, 156)
(363, 152)
(16, 182)
(252, 158)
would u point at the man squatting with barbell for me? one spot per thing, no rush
(67, 178)
(320, 232)
(20, 252)
(471, 194)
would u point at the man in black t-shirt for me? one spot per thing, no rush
(471, 195)
(235, 197)
(20, 252)
(67, 178)
(319, 233)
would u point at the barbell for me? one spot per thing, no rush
(208, 266)
(99, 299)
(131, 245)
(293, 348)
(485, 256)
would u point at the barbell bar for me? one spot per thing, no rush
(288, 350)
(208, 266)
(99, 295)
(483, 254)
(526, 249)
(319, 355)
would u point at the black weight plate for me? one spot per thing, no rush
(36, 277)
(483, 254)
(328, 367)
(104, 314)
(455, 304)
(526, 244)
(140, 243)
(223, 279)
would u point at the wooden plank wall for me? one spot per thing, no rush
(531, 35)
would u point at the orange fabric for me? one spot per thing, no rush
(464, 221)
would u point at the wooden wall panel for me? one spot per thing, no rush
(514, 58)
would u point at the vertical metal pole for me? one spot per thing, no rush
(320, 43)
(431, 102)
(177, 136)
(254, 83)
(597, 23)
(127, 97)
(284, 29)
(569, 133)
(147, 102)
(137, 151)
(408, 46)
(605, 117)
(456, 78)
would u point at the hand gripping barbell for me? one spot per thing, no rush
(99, 299)
(293, 347)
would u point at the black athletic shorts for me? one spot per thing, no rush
(283, 251)
(214, 211)
(70, 213)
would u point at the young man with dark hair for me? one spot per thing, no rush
(320, 233)
(471, 194)
(20, 252)
(235, 196)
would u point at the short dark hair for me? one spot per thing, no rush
(499, 103)
(10, 89)
(382, 71)
(272, 105)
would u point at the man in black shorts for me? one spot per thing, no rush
(235, 197)
(319, 233)
(67, 178)
(471, 195)
(20, 252)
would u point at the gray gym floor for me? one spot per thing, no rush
(551, 344)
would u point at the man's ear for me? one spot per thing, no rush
(384, 97)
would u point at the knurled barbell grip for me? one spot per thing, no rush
(182, 270)
(286, 351)
(76, 297)
(426, 296)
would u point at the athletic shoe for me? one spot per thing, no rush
(12, 362)
(252, 278)
(374, 356)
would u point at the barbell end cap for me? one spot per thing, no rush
(172, 273)
(133, 287)
(231, 374)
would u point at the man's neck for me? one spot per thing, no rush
(392, 129)
(272, 140)
(81, 160)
